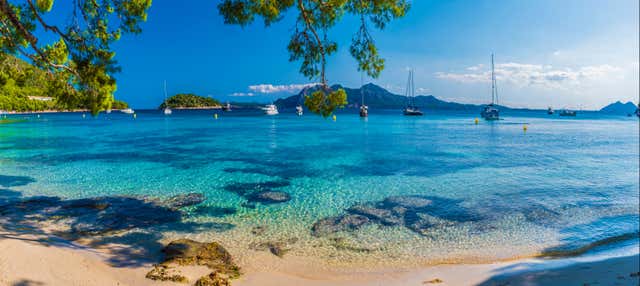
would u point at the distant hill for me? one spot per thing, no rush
(620, 108)
(189, 101)
(378, 97)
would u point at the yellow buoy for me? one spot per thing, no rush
(334, 117)
(215, 116)
(524, 128)
(476, 121)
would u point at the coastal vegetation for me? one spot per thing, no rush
(310, 43)
(80, 55)
(25, 87)
(188, 100)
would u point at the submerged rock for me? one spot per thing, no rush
(409, 202)
(338, 223)
(184, 200)
(341, 243)
(90, 216)
(259, 230)
(278, 248)
(417, 213)
(384, 216)
(269, 197)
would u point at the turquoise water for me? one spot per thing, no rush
(499, 192)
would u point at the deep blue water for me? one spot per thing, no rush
(498, 191)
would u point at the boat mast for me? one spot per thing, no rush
(413, 91)
(494, 90)
(165, 95)
(361, 87)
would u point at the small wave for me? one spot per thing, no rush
(567, 251)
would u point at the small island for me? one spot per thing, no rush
(190, 101)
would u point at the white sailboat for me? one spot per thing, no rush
(167, 110)
(411, 109)
(490, 111)
(299, 110)
(226, 107)
(270, 109)
(364, 110)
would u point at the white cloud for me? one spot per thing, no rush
(242, 94)
(422, 90)
(533, 75)
(288, 88)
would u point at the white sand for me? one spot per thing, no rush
(62, 263)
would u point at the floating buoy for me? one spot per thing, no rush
(476, 121)
(334, 117)
(135, 116)
(38, 115)
(84, 115)
(215, 116)
(524, 128)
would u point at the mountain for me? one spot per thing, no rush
(378, 97)
(620, 108)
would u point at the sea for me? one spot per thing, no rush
(438, 188)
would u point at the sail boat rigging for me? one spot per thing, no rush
(364, 110)
(411, 109)
(490, 111)
(299, 109)
(167, 110)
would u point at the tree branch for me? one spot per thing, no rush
(310, 27)
(46, 26)
(33, 41)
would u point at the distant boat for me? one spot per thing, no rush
(638, 110)
(167, 110)
(411, 109)
(490, 111)
(550, 111)
(226, 107)
(299, 110)
(270, 109)
(364, 109)
(127, 111)
(566, 112)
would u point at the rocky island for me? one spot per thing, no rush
(190, 101)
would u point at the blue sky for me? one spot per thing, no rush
(570, 53)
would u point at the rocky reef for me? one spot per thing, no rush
(417, 213)
(265, 193)
(95, 216)
(186, 252)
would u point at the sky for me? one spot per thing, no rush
(579, 54)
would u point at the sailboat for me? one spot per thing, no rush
(411, 109)
(226, 107)
(167, 110)
(490, 111)
(299, 110)
(550, 110)
(364, 110)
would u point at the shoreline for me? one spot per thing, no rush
(32, 259)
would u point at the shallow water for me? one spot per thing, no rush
(497, 192)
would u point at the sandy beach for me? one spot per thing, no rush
(29, 260)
